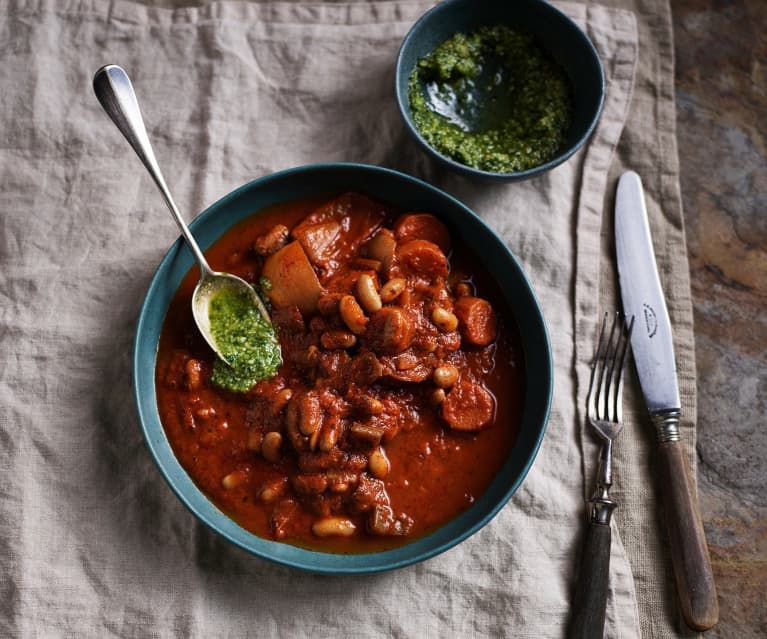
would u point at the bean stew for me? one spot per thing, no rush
(399, 396)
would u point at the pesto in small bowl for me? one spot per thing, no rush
(491, 99)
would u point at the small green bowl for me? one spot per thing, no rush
(402, 191)
(551, 28)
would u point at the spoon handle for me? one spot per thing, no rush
(114, 91)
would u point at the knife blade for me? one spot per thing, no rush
(653, 352)
(651, 341)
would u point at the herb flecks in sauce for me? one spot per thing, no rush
(492, 100)
(247, 341)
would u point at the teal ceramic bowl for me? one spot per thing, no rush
(403, 191)
(551, 28)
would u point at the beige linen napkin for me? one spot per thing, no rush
(648, 146)
(93, 542)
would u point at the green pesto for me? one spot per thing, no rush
(248, 342)
(492, 100)
(264, 284)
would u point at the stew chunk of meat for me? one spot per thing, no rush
(478, 323)
(468, 407)
(422, 226)
(421, 259)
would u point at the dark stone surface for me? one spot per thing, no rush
(721, 92)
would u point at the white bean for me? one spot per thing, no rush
(271, 447)
(352, 315)
(378, 463)
(392, 289)
(328, 437)
(382, 246)
(438, 396)
(234, 479)
(281, 400)
(367, 293)
(310, 413)
(445, 376)
(370, 405)
(271, 491)
(444, 319)
(333, 526)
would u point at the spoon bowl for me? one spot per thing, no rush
(211, 283)
(114, 91)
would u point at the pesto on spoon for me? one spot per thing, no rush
(248, 341)
(229, 313)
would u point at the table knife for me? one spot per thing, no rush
(653, 352)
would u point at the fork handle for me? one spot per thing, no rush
(590, 601)
(687, 541)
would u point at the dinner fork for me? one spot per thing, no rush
(605, 414)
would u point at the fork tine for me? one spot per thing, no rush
(624, 356)
(603, 390)
(590, 398)
(613, 392)
(610, 362)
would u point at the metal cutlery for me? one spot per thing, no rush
(605, 416)
(114, 91)
(653, 353)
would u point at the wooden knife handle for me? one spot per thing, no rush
(590, 601)
(689, 552)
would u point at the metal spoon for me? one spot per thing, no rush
(115, 93)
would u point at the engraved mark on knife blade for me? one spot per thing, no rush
(650, 320)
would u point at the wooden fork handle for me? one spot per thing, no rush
(687, 541)
(588, 621)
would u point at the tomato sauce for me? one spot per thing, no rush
(363, 462)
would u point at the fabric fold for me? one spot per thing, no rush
(622, 618)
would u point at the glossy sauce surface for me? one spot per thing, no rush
(436, 472)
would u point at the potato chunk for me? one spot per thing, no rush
(293, 280)
(332, 234)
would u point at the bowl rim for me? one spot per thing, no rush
(403, 100)
(224, 521)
